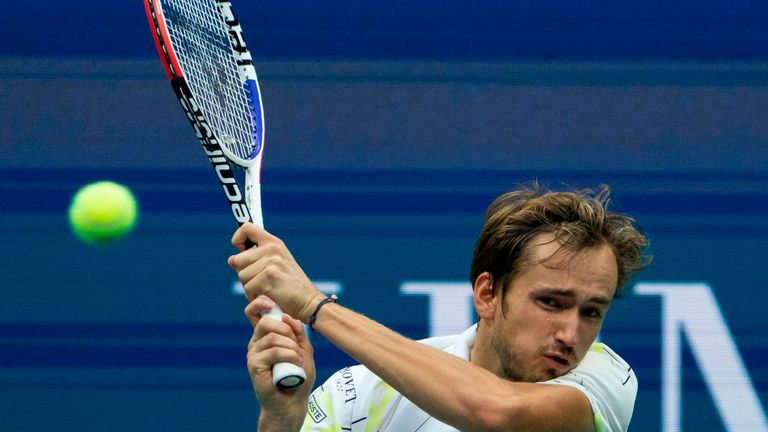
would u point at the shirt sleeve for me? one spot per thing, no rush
(610, 385)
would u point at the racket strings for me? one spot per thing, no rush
(201, 43)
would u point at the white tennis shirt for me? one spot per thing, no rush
(354, 399)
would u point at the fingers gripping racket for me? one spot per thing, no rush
(205, 56)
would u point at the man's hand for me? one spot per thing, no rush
(271, 270)
(272, 342)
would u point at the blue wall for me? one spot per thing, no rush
(389, 130)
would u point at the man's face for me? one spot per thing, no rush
(553, 310)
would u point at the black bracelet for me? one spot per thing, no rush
(332, 299)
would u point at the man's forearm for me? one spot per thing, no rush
(447, 387)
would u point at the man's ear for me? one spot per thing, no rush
(482, 295)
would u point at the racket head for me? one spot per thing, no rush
(202, 47)
(206, 58)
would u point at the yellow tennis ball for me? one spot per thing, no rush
(103, 212)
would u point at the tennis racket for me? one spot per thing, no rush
(205, 57)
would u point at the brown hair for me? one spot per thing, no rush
(578, 219)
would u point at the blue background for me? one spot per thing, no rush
(390, 128)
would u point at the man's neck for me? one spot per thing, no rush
(481, 352)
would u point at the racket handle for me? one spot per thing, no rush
(285, 375)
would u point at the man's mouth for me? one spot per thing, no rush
(562, 360)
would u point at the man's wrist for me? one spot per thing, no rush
(280, 422)
(311, 307)
(333, 298)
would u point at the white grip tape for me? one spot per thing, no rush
(285, 375)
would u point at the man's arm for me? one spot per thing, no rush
(452, 390)
(272, 342)
(449, 388)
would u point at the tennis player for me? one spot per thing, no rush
(545, 270)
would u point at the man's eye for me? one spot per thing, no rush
(549, 302)
(592, 313)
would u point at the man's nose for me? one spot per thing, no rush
(567, 332)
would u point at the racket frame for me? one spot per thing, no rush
(245, 207)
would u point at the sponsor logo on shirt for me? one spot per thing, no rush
(315, 411)
(346, 385)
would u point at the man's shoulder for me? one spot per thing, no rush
(440, 342)
(609, 383)
(602, 355)
(456, 344)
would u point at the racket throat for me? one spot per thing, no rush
(226, 176)
(253, 197)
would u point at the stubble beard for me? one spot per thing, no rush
(511, 366)
(509, 363)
